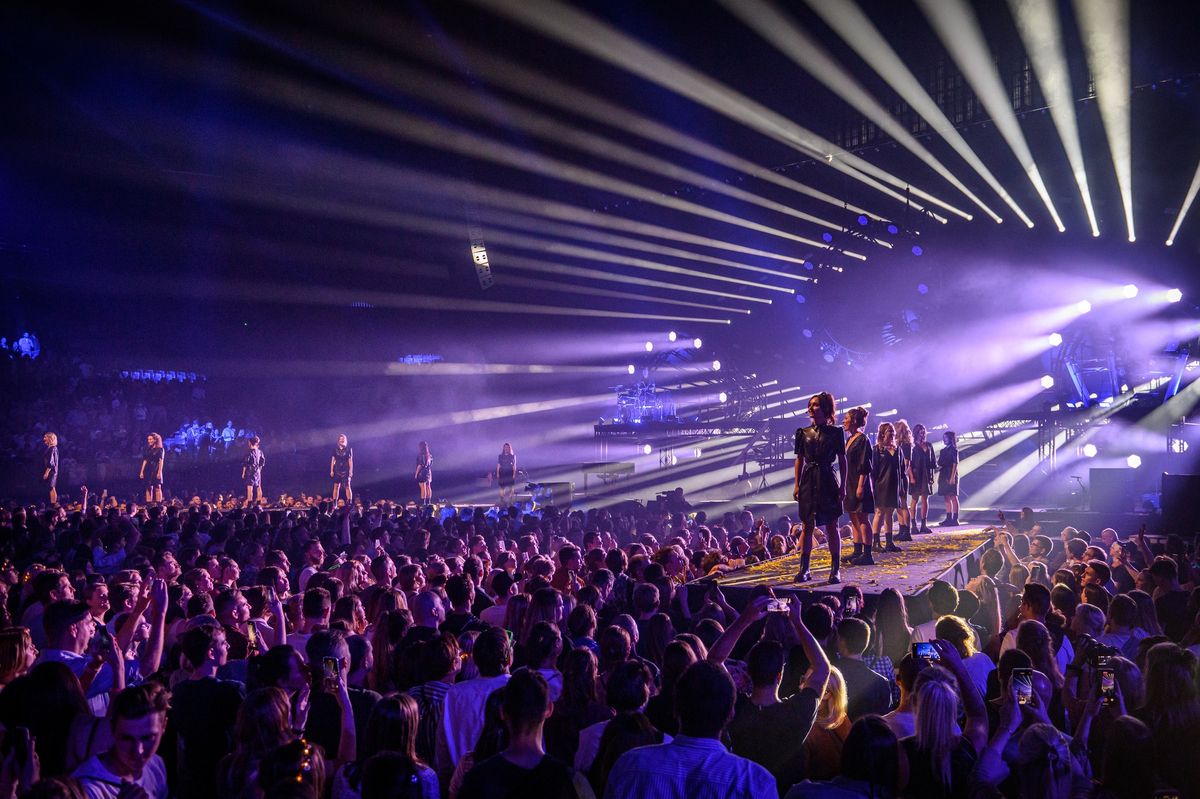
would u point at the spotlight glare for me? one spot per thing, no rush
(698, 452)
(1055, 339)
(1083, 306)
(672, 336)
(1174, 295)
(716, 365)
(1129, 291)
(722, 397)
(697, 343)
(649, 346)
(647, 449)
(1133, 461)
(630, 369)
(1089, 450)
(1047, 381)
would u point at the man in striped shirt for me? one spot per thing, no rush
(695, 765)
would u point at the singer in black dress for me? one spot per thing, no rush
(885, 477)
(341, 468)
(818, 490)
(423, 473)
(860, 499)
(151, 473)
(948, 477)
(920, 480)
(50, 466)
(506, 473)
(904, 445)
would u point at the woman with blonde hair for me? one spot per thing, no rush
(17, 654)
(904, 446)
(885, 478)
(151, 472)
(341, 468)
(424, 472)
(860, 498)
(50, 466)
(823, 746)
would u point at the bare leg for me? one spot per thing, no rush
(337, 490)
(249, 494)
(53, 496)
(158, 494)
(349, 494)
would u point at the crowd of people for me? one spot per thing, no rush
(373, 651)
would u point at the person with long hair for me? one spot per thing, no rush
(947, 468)
(252, 467)
(341, 468)
(1171, 708)
(391, 727)
(886, 469)
(1127, 768)
(818, 491)
(263, 724)
(577, 707)
(151, 473)
(920, 480)
(904, 447)
(871, 765)
(17, 654)
(423, 473)
(506, 473)
(860, 496)
(891, 625)
(50, 466)
(823, 745)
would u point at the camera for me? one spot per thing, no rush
(1097, 654)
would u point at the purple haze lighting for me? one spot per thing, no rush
(826, 237)
(893, 229)
(806, 332)
(916, 250)
(800, 298)
(922, 288)
(862, 220)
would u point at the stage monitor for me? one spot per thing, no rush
(1180, 510)
(1111, 490)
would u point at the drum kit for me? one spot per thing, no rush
(643, 402)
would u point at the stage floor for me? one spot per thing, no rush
(942, 554)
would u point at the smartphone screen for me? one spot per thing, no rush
(1108, 686)
(778, 605)
(1023, 679)
(332, 668)
(925, 651)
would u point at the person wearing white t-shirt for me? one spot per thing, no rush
(1035, 605)
(138, 717)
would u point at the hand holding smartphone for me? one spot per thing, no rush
(1023, 680)
(924, 650)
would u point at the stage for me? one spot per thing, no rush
(950, 554)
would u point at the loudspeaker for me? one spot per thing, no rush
(1180, 505)
(1111, 490)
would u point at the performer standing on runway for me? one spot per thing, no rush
(341, 468)
(50, 466)
(506, 473)
(252, 468)
(948, 478)
(920, 480)
(860, 499)
(151, 472)
(424, 473)
(818, 491)
(885, 476)
(904, 447)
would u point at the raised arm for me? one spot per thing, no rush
(724, 645)
(818, 672)
(975, 729)
(157, 616)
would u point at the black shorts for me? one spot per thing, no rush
(341, 480)
(153, 482)
(51, 481)
(507, 483)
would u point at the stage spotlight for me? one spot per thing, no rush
(631, 369)
(862, 220)
(1055, 339)
(1124, 387)
(922, 288)
(672, 336)
(827, 237)
(697, 343)
(801, 299)
(647, 449)
(807, 333)
(1083, 306)
(1133, 461)
(916, 250)
(1089, 450)
(716, 365)
(1129, 291)
(893, 229)
(697, 452)
(722, 397)
(1047, 381)
(649, 346)
(1174, 295)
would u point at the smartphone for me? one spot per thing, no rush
(779, 605)
(852, 606)
(1023, 679)
(103, 638)
(271, 597)
(1108, 685)
(924, 650)
(333, 670)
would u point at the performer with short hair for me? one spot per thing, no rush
(818, 492)
(920, 480)
(424, 473)
(252, 467)
(948, 477)
(151, 472)
(341, 468)
(860, 498)
(50, 466)
(506, 473)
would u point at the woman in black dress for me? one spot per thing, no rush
(341, 468)
(50, 466)
(506, 473)
(151, 472)
(860, 499)
(920, 480)
(252, 469)
(818, 490)
(904, 447)
(424, 473)
(885, 477)
(948, 478)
